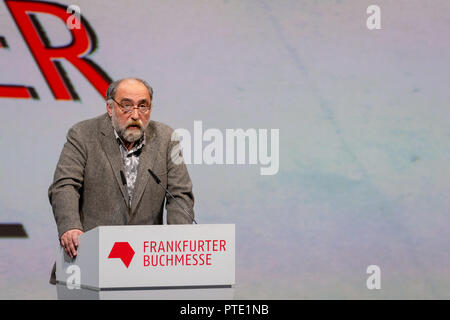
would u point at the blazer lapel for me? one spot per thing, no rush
(146, 161)
(112, 151)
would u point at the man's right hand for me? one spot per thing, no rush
(69, 241)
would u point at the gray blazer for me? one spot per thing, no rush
(87, 189)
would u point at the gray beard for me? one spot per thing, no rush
(125, 134)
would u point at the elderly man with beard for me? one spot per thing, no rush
(102, 174)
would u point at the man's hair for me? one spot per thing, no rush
(112, 88)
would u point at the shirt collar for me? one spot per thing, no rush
(137, 145)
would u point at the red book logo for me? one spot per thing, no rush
(123, 251)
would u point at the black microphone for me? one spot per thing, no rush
(124, 180)
(158, 181)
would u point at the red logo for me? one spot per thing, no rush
(48, 57)
(123, 251)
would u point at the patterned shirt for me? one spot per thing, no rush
(130, 161)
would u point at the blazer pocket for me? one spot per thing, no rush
(162, 175)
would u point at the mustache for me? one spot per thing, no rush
(133, 123)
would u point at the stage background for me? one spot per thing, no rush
(364, 136)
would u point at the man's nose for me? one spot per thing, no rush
(135, 113)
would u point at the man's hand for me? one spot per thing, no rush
(69, 241)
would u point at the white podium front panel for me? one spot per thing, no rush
(152, 256)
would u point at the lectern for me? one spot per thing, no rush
(151, 256)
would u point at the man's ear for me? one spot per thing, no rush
(109, 108)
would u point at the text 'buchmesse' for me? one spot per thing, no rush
(181, 252)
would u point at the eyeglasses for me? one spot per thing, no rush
(128, 106)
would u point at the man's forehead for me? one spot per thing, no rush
(132, 87)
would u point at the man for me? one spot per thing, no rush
(102, 174)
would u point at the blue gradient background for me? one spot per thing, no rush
(364, 137)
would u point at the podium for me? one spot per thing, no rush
(151, 256)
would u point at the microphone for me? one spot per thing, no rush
(124, 180)
(158, 181)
